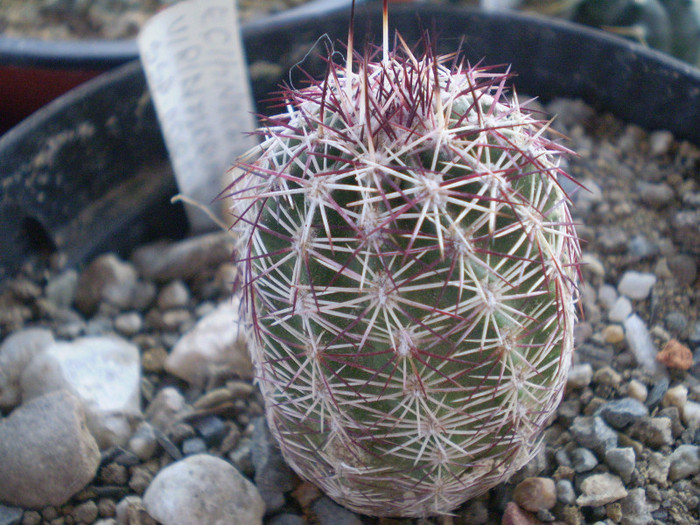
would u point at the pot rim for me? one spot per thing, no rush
(96, 54)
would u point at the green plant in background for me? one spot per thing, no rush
(671, 26)
(409, 271)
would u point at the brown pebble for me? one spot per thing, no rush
(675, 355)
(535, 494)
(514, 515)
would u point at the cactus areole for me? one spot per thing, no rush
(409, 270)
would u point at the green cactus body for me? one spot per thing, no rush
(409, 270)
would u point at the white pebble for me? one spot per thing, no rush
(607, 295)
(580, 376)
(636, 285)
(600, 489)
(203, 489)
(620, 310)
(215, 344)
(676, 397)
(637, 390)
(691, 414)
(16, 352)
(103, 372)
(640, 343)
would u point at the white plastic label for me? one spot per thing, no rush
(195, 65)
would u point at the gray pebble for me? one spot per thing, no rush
(10, 515)
(684, 462)
(129, 323)
(639, 246)
(562, 458)
(583, 460)
(184, 259)
(174, 295)
(635, 510)
(683, 268)
(685, 229)
(272, 475)
(60, 289)
(657, 392)
(286, 519)
(193, 446)
(622, 412)
(212, 430)
(612, 241)
(621, 461)
(654, 432)
(656, 195)
(143, 442)
(676, 323)
(593, 433)
(565, 492)
(328, 512)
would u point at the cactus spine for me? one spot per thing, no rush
(409, 270)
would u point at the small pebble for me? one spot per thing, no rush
(565, 492)
(620, 310)
(623, 412)
(621, 461)
(536, 493)
(286, 519)
(600, 489)
(656, 195)
(593, 433)
(635, 509)
(10, 515)
(203, 489)
(47, 453)
(675, 397)
(657, 392)
(676, 323)
(129, 323)
(683, 268)
(193, 446)
(684, 462)
(636, 285)
(657, 468)
(173, 295)
(328, 512)
(640, 343)
(690, 414)
(655, 432)
(103, 372)
(85, 512)
(607, 295)
(675, 355)
(613, 334)
(637, 390)
(582, 460)
(606, 376)
(580, 376)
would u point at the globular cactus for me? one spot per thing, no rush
(409, 271)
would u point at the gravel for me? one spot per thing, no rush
(101, 19)
(624, 444)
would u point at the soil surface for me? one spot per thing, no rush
(101, 19)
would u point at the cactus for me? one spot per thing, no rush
(409, 270)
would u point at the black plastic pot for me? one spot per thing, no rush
(34, 71)
(89, 172)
